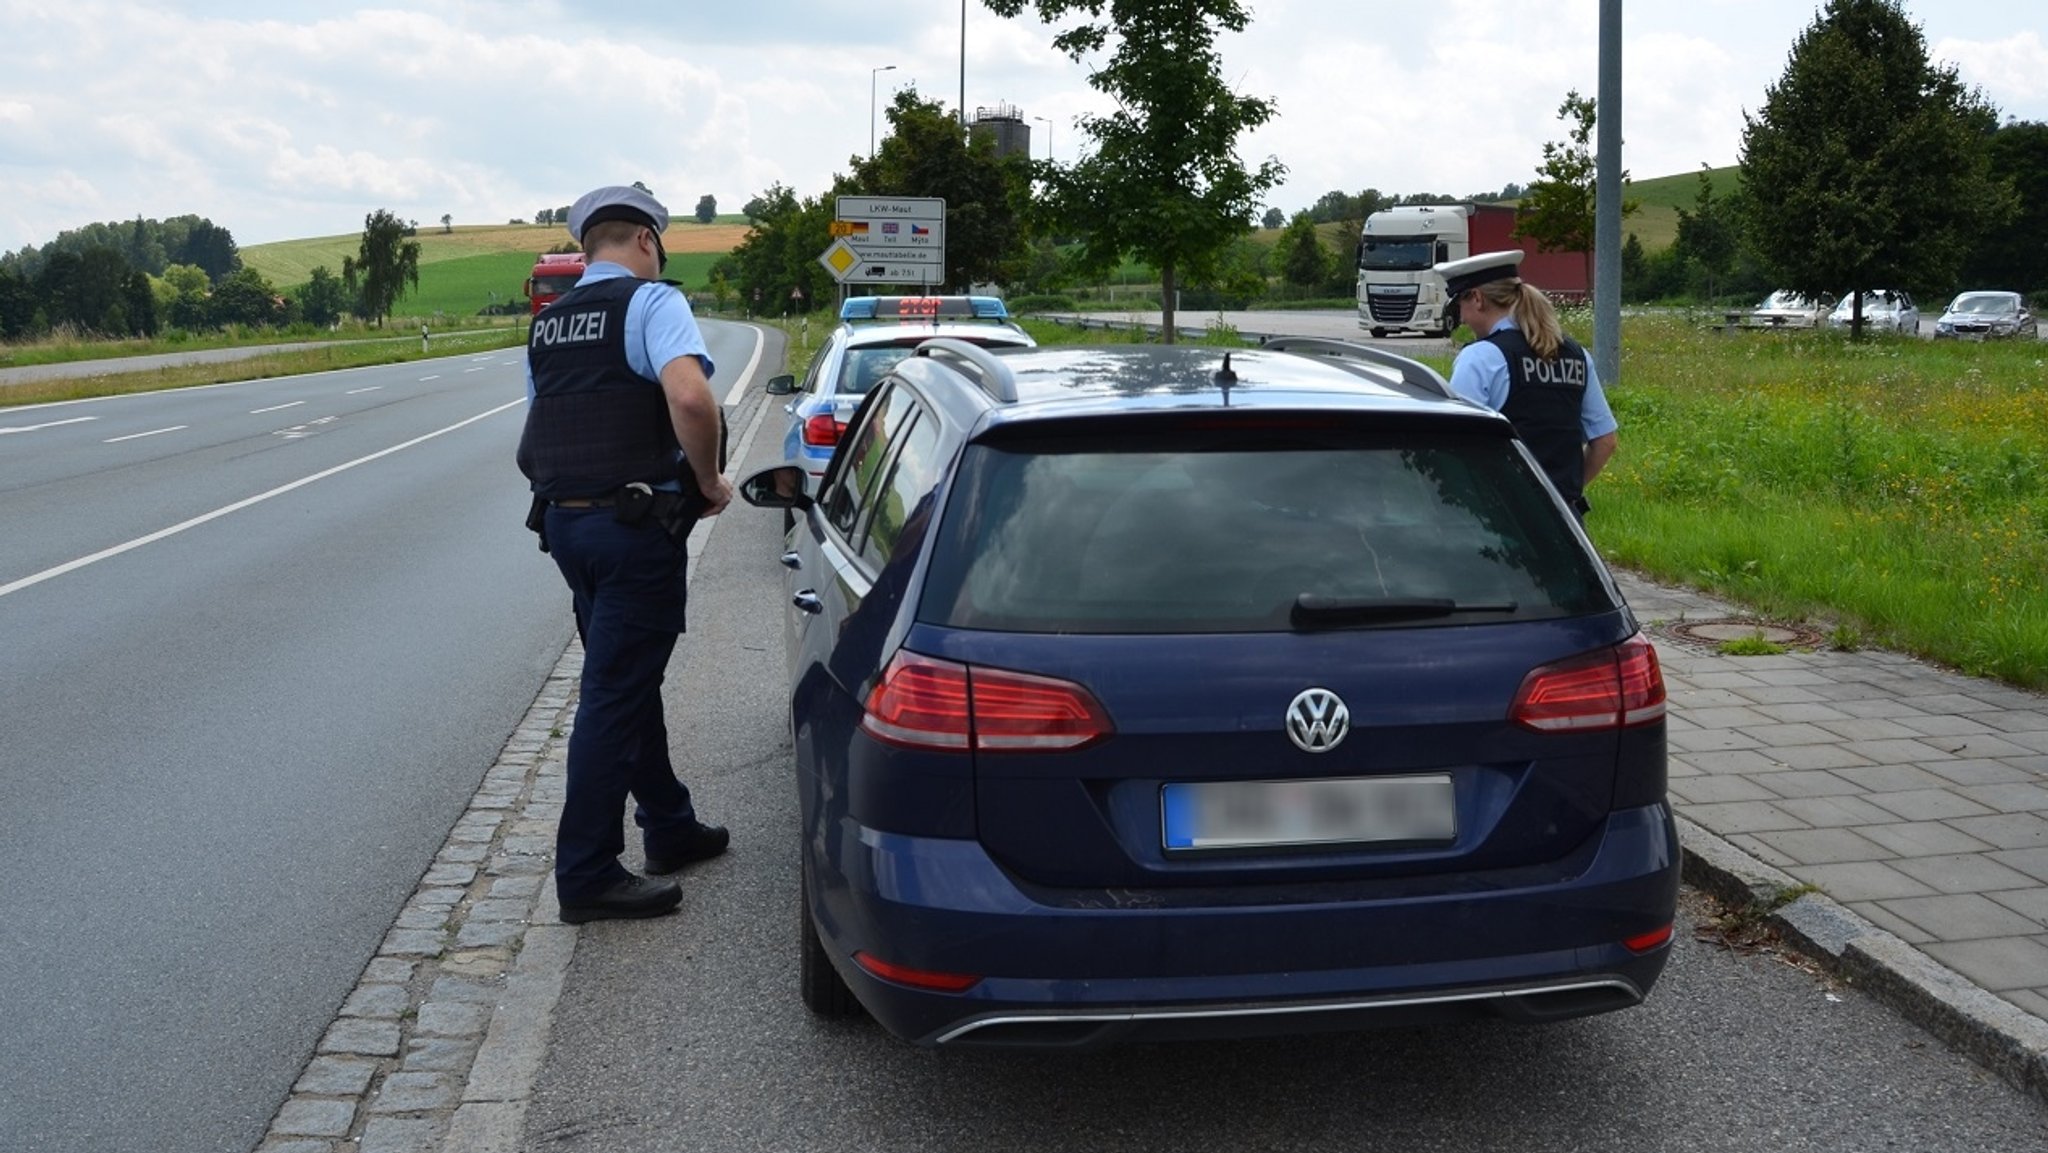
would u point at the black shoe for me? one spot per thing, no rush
(632, 897)
(699, 844)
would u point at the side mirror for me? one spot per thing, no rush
(781, 385)
(783, 486)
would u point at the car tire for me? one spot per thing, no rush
(1379, 334)
(824, 991)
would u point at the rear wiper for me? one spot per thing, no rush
(1315, 611)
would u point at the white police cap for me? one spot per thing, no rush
(616, 202)
(1473, 271)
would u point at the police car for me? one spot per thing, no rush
(874, 333)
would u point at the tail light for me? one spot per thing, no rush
(1645, 942)
(823, 430)
(1610, 689)
(925, 703)
(916, 978)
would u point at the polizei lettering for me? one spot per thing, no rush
(1564, 372)
(575, 328)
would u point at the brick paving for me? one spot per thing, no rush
(1913, 796)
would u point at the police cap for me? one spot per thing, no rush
(617, 202)
(1473, 271)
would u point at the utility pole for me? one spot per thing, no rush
(1607, 203)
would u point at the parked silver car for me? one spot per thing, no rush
(1976, 315)
(1788, 309)
(1884, 310)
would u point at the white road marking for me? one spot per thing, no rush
(216, 514)
(275, 407)
(140, 435)
(436, 376)
(51, 424)
(478, 368)
(372, 388)
(747, 374)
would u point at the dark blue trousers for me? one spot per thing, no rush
(627, 586)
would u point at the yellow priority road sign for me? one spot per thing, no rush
(839, 260)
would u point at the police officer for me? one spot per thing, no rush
(1524, 367)
(621, 431)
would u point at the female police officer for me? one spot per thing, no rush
(621, 411)
(1524, 367)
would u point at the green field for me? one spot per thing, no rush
(463, 286)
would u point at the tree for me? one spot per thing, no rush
(544, 216)
(1706, 237)
(754, 209)
(928, 153)
(323, 298)
(210, 247)
(1304, 262)
(447, 222)
(385, 264)
(780, 251)
(1164, 180)
(1559, 208)
(707, 208)
(1868, 165)
(2016, 257)
(245, 299)
(1274, 218)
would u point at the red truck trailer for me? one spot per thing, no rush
(1567, 277)
(554, 273)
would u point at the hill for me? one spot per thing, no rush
(1656, 223)
(286, 263)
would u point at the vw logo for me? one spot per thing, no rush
(1317, 721)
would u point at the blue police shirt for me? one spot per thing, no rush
(659, 327)
(1480, 375)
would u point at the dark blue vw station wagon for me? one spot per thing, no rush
(1150, 692)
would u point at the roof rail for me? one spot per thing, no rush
(1414, 373)
(989, 371)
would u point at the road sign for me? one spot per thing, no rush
(839, 260)
(895, 239)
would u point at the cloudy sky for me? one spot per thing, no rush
(279, 119)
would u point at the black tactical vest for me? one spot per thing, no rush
(1545, 397)
(594, 425)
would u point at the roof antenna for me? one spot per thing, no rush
(1224, 378)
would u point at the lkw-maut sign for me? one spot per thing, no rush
(899, 240)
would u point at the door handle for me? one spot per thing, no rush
(792, 561)
(807, 601)
(790, 408)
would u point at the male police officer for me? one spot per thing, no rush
(1524, 367)
(621, 417)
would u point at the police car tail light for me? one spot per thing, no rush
(823, 430)
(1613, 688)
(925, 703)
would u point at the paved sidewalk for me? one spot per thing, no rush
(1915, 800)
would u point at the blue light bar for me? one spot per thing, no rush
(913, 309)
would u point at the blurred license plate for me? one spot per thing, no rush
(1254, 814)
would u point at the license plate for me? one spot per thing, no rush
(1272, 814)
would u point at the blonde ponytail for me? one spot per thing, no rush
(1532, 312)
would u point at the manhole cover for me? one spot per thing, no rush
(1717, 632)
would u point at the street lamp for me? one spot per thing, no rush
(872, 74)
(1048, 137)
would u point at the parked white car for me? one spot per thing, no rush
(1884, 310)
(1787, 309)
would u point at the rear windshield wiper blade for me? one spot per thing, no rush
(1315, 611)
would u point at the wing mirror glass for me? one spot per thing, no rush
(783, 486)
(781, 385)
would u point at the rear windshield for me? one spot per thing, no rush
(1200, 533)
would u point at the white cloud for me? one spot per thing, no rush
(284, 118)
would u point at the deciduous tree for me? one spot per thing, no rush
(1304, 262)
(928, 154)
(707, 208)
(2016, 257)
(1557, 210)
(1868, 165)
(1164, 180)
(386, 263)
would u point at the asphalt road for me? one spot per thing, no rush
(686, 1033)
(261, 643)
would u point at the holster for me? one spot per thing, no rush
(537, 520)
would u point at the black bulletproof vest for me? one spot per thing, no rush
(594, 425)
(1545, 397)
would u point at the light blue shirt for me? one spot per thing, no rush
(1480, 375)
(659, 326)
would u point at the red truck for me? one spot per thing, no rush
(1398, 288)
(554, 273)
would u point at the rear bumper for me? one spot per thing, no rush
(1136, 969)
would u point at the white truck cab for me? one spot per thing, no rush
(1398, 290)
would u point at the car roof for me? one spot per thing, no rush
(1078, 382)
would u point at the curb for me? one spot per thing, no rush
(1986, 1028)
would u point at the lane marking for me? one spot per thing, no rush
(436, 376)
(753, 363)
(140, 435)
(51, 424)
(276, 407)
(372, 388)
(478, 368)
(259, 498)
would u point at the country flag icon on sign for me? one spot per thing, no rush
(889, 228)
(920, 230)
